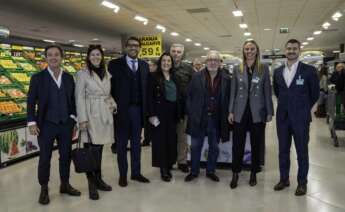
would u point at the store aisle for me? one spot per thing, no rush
(19, 189)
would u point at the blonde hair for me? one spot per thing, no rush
(258, 65)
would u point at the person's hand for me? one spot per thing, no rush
(269, 118)
(154, 121)
(83, 126)
(34, 130)
(231, 118)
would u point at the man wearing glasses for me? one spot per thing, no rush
(207, 111)
(129, 77)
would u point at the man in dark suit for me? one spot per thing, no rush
(207, 111)
(52, 92)
(296, 86)
(129, 77)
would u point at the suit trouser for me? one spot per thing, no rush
(212, 133)
(134, 135)
(300, 132)
(182, 146)
(63, 134)
(257, 132)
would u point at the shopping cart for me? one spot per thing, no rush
(335, 113)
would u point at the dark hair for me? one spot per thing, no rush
(293, 41)
(53, 46)
(159, 71)
(257, 57)
(133, 38)
(89, 65)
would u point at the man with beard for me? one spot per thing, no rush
(183, 73)
(128, 88)
(296, 86)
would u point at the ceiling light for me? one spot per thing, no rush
(111, 6)
(305, 43)
(71, 41)
(302, 47)
(249, 39)
(49, 41)
(267, 29)
(203, 56)
(247, 34)
(268, 50)
(174, 34)
(336, 15)
(78, 45)
(197, 44)
(317, 32)
(243, 26)
(161, 28)
(237, 13)
(336, 51)
(326, 25)
(206, 48)
(310, 38)
(95, 39)
(188, 40)
(141, 19)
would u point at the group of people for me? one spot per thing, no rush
(118, 101)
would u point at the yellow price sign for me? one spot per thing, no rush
(16, 47)
(151, 46)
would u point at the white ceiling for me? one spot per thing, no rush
(83, 20)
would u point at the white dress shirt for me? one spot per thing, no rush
(129, 62)
(58, 80)
(289, 73)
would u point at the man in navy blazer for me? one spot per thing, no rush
(296, 86)
(128, 88)
(51, 91)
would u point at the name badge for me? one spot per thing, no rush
(300, 81)
(256, 80)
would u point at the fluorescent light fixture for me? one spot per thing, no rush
(197, 44)
(326, 25)
(174, 34)
(188, 40)
(302, 47)
(336, 51)
(78, 45)
(337, 15)
(237, 13)
(161, 28)
(71, 41)
(267, 29)
(317, 32)
(310, 38)
(206, 48)
(95, 39)
(203, 56)
(247, 34)
(268, 50)
(49, 41)
(249, 39)
(243, 26)
(305, 43)
(141, 19)
(277, 50)
(111, 6)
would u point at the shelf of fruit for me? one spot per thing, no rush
(14, 93)
(4, 80)
(21, 77)
(9, 107)
(8, 64)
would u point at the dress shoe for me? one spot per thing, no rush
(301, 190)
(252, 180)
(140, 178)
(190, 177)
(123, 181)
(234, 181)
(212, 176)
(166, 178)
(100, 184)
(281, 185)
(183, 167)
(93, 193)
(44, 196)
(66, 188)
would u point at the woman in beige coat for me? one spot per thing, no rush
(95, 108)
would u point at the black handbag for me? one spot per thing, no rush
(86, 159)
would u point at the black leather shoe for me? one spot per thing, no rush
(281, 185)
(183, 167)
(301, 190)
(212, 176)
(44, 196)
(166, 178)
(190, 177)
(100, 184)
(93, 193)
(140, 178)
(234, 181)
(66, 188)
(123, 181)
(252, 180)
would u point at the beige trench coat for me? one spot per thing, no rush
(94, 103)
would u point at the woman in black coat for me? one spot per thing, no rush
(163, 115)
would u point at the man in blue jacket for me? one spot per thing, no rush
(51, 113)
(296, 86)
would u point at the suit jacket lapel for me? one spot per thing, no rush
(280, 76)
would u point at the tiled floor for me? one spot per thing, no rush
(19, 189)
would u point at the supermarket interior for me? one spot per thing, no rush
(202, 28)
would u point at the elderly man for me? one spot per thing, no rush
(183, 73)
(207, 111)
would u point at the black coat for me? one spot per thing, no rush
(120, 88)
(196, 105)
